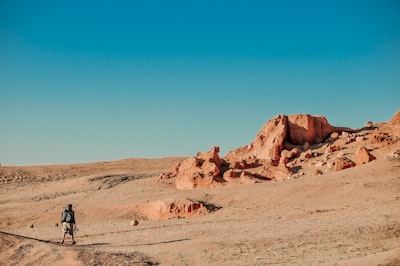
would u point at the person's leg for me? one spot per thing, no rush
(63, 237)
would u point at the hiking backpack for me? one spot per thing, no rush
(68, 216)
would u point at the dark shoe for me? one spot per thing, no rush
(73, 242)
(62, 242)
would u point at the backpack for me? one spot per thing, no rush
(68, 216)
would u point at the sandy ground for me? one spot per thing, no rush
(349, 217)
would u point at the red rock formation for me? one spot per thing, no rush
(363, 156)
(295, 129)
(258, 160)
(174, 208)
(267, 144)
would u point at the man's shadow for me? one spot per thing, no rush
(49, 241)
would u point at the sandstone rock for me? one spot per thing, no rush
(270, 170)
(332, 148)
(363, 156)
(306, 155)
(334, 136)
(294, 152)
(312, 129)
(343, 163)
(247, 178)
(317, 172)
(288, 155)
(267, 144)
(344, 135)
(283, 130)
(263, 158)
(201, 171)
(350, 138)
(369, 124)
(134, 222)
(172, 208)
(231, 174)
(285, 156)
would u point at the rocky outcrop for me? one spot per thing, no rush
(267, 144)
(174, 208)
(392, 127)
(300, 129)
(282, 139)
(209, 170)
(202, 170)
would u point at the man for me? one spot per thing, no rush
(68, 222)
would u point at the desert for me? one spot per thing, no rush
(303, 192)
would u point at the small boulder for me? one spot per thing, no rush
(317, 172)
(343, 163)
(363, 156)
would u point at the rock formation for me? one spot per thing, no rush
(174, 208)
(343, 163)
(363, 156)
(283, 143)
(392, 127)
(301, 129)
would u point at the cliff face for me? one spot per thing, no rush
(297, 129)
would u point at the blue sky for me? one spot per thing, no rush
(107, 80)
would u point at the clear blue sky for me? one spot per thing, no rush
(107, 80)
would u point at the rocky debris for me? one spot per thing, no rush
(394, 155)
(332, 148)
(174, 208)
(297, 175)
(351, 138)
(381, 137)
(343, 163)
(269, 170)
(286, 155)
(363, 156)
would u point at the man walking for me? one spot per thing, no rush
(68, 222)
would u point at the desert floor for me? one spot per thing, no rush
(349, 217)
